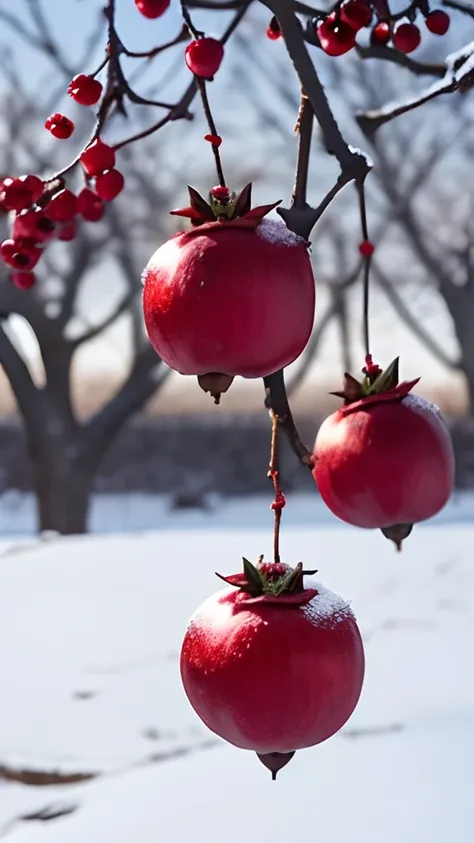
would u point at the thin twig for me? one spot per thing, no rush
(279, 503)
(367, 260)
(212, 128)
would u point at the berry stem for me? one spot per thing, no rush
(279, 502)
(304, 130)
(212, 129)
(196, 33)
(366, 264)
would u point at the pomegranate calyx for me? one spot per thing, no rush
(215, 383)
(269, 579)
(397, 533)
(223, 207)
(275, 761)
(375, 383)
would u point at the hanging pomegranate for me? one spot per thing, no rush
(274, 666)
(385, 459)
(234, 295)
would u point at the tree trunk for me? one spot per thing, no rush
(63, 490)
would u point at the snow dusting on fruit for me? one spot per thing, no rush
(326, 607)
(274, 231)
(421, 405)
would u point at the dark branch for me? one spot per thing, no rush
(276, 400)
(418, 68)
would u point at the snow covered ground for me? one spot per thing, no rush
(90, 630)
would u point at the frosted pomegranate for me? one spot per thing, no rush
(234, 295)
(385, 459)
(274, 666)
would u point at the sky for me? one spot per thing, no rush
(71, 23)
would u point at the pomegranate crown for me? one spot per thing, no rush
(375, 382)
(270, 579)
(224, 205)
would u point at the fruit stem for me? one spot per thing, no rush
(279, 503)
(212, 129)
(360, 184)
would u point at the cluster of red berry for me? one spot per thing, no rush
(338, 30)
(42, 210)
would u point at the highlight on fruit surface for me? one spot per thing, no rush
(234, 295)
(385, 459)
(273, 664)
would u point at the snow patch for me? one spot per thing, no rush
(325, 606)
(421, 405)
(274, 231)
(356, 151)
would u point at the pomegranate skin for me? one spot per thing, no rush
(273, 676)
(230, 298)
(382, 462)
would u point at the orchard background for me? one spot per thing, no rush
(358, 118)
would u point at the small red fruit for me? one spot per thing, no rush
(335, 36)
(67, 232)
(23, 280)
(380, 35)
(60, 126)
(406, 37)
(356, 13)
(385, 459)
(63, 206)
(89, 205)
(20, 254)
(97, 157)
(16, 194)
(34, 184)
(34, 225)
(438, 22)
(233, 296)
(273, 30)
(273, 670)
(109, 184)
(84, 89)
(204, 56)
(152, 8)
(366, 248)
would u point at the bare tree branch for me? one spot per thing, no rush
(19, 376)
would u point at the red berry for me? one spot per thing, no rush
(356, 13)
(109, 184)
(204, 56)
(14, 195)
(273, 30)
(382, 461)
(438, 22)
(406, 37)
(33, 225)
(97, 157)
(243, 655)
(152, 8)
(216, 140)
(366, 248)
(34, 184)
(220, 192)
(62, 207)
(380, 35)
(67, 232)
(335, 36)
(255, 323)
(60, 126)
(89, 205)
(20, 254)
(23, 280)
(85, 90)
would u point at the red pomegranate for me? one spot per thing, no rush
(234, 295)
(275, 666)
(385, 459)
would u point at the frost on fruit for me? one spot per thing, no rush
(274, 231)
(326, 608)
(421, 405)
